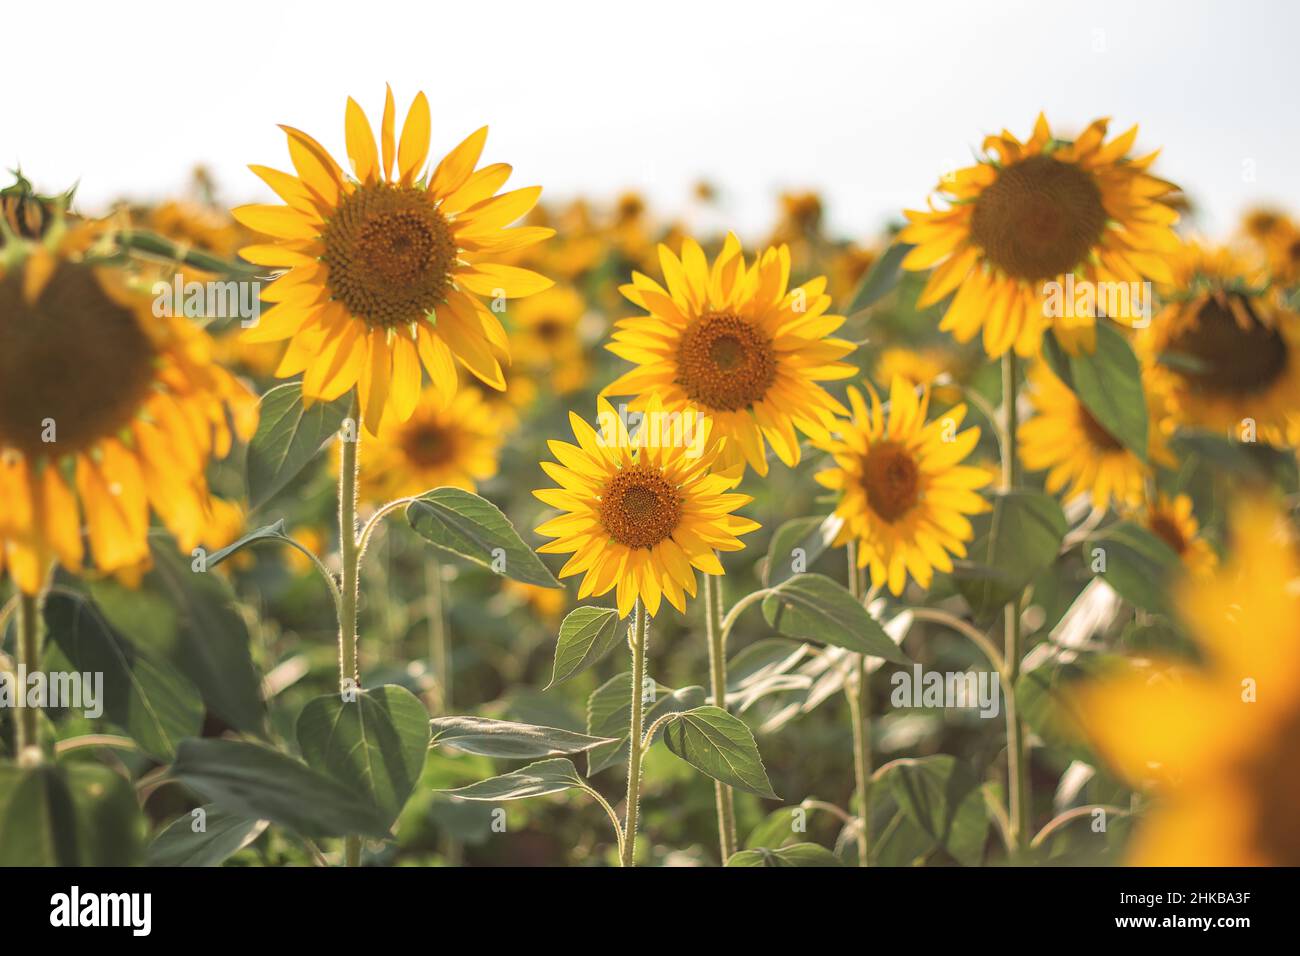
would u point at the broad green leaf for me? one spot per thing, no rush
(896, 840)
(809, 536)
(1137, 564)
(75, 814)
(374, 744)
(798, 854)
(254, 781)
(762, 659)
(721, 746)
(1013, 543)
(1108, 382)
(288, 437)
(146, 697)
(271, 532)
(464, 524)
(221, 836)
(776, 829)
(535, 780)
(505, 738)
(609, 714)
(942, 798)
(586, 635)
(882, 278)
(812, 607)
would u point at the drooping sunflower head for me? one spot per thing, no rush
(455, 443)
(1225, 349)
(1218, 743)
(1029, 214)
(385, 266)
(642, 513)
(735, 343)
(1172, 520)
(106, 412)
(904, 493)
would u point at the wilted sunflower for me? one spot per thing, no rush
(544, 330)
(1217, 744)
(384, 268)
(904, 494)
(735, 343)
(1080, 456)
(1030, 213)
(106, 411)
(1173, 522)
(641, 513)
(1224, 350)
(454, 444)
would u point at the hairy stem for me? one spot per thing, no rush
(724, 798)
(855, 688)
(350, 552)
(1018, 792)
(27, 722)
(634, 735)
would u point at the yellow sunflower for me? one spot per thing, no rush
(918, 366)
(106, 412)
(1224, 350)
(1172, 521)
(545, 337)
(1217, 744)
(904, 494)
(1027, 215)
(735, 343)
(454, 444)
(641, 513)
(385, 266)
(1078, 453)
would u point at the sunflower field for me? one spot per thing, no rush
(413, 519)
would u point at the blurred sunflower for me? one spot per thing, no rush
(452, 444)
(1172, 521)
(1218, 744)
(545, 337)
(849, 267)
(1262, 222)
(1283, 251)
(385, 268)
(106, 411)
(1027, 215)
(917, 366)
(735, 343)
(641, 514)
(904, 494)
(1078, 453)
(1224, 349)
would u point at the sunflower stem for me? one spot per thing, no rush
(27, 724)
(440, 661)
(1018, 792)
(350, 553)
(717, 636)
(855, 689)
(634, 755)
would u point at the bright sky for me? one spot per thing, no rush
(867, 103)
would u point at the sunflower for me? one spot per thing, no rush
(1283, 251)
(546, 339)
(735, 343)
(1172, 521)
(904, 494)
(1078, 453)
(641, 514)
(385, 268)
(1225, 351)
(1028, 214)
(918, 366)
(106, 412)
(1217, 744)
(454, 444)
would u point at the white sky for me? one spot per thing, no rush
(867, 103)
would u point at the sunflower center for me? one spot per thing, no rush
(640, 507)
(75, 366)
(428, 445)
(1096, 432)
(1039, 218)
(892, 480)
(389, 252)
(724, 362)
(1276, 780)
(1233, 351)
(1164, 528)
(549, 330)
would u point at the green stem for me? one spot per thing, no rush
(27, 724)
(634, 735)
(350, 552)
(724, 798)
(439, 651)
(1018, 792)
(855, 688)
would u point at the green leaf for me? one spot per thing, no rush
(464, 524)
(1138, 565)
(775, 830)
(812, 607)
(374, 744)
(223, 835)
(288, 437)
(254, 781)
(154, 704)
(882, 278)
(609, 714)
(77, 814)
(505, 738)
(799, 854)
(811, 535)
(721, 746)
(1108, 382)
(586, 635)
(942, 798)
(535, 780)
(270, 532)
(1013, 543)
